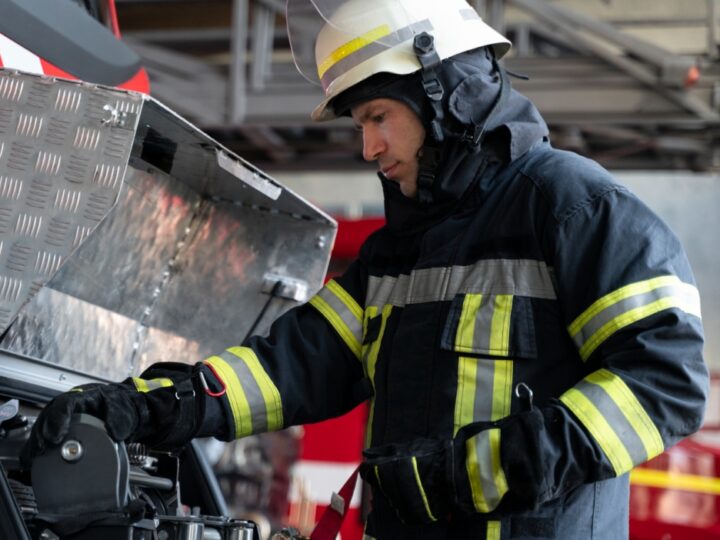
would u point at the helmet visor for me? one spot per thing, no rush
(327, 36)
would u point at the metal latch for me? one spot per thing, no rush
(290, 288)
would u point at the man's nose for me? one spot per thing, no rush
(373, 144)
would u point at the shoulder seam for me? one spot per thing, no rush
(577, 207)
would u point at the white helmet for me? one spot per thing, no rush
(360, 38)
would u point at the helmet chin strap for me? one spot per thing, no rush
(430, 153)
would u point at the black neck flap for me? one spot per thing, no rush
(475, 140)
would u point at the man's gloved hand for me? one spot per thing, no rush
(415, 478)
(488, 468)
(163, 409)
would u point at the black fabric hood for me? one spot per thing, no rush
(472, 86)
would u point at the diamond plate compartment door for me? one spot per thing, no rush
(128, 236)
(64, 150)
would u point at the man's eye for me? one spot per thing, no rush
(378, 118)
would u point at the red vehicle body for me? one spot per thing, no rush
(81, 41)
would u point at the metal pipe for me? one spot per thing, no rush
(683, 98)
(155, 482)
(262, 42)
(237, 94)
(559, 15)
(713, 29)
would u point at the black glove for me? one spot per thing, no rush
(164, 409)
(489, 468)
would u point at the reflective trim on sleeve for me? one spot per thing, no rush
(493, 530)
(421, 489)
(531, 278)
(487, 479)
(628, 305)
(254, 399)
(342, 312)
(143, 385)
(616, 420)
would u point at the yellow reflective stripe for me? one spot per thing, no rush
(351, 46)
(465, 399)
(484, 394)
(493, 530)
(354, 314)
(674, 480)
(369, 424)
(143, 385)
(500, 326)
(465, 334)
(626, 319)
(628, 305)
(372, 349)
(488, 484)
(140, 384)
(620, 294)
(497, 471)
(632, 409)
(236, 396)
(599, 428)
(346, 299)
(377, 475)
(502, 389)
(270, 393)
(370, 356)
(422, 490)
(474, 472)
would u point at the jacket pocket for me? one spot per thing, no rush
(490, 325)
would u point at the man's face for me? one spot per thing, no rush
(392, 136)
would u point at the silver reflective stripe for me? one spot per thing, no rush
(484, 384)
(372, 49)
(616, 419)
(253, 394)
(521, 277)
(483, 455)
(483, 324)
(342, 306)
(387, 290)
(624, 305)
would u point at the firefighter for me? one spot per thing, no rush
(526, 329)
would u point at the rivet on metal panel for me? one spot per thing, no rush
(321, 241)
(114, 117)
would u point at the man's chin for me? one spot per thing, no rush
(410, 191)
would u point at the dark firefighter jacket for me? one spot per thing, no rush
(545, 272)
(548, 273)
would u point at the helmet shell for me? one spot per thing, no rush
(365, 37)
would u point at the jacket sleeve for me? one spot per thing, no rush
(306, 370)
(632, 309)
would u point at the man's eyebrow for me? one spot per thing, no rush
(365, 116)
